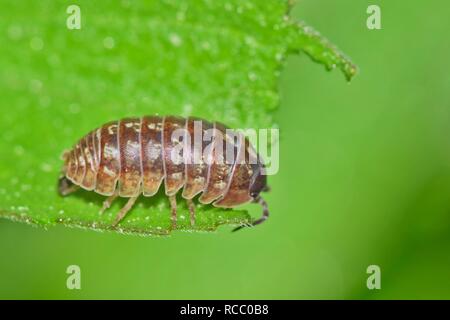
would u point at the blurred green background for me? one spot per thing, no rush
(364, 179)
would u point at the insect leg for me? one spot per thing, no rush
(191, 206)
(173, 207)
(263, 218)
(124, 210)
(107, 203)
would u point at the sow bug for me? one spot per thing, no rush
(133, 156)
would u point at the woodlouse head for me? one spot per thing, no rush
(259, 183)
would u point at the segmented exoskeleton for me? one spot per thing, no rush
(133, 156)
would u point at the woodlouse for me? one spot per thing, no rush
(133, 156)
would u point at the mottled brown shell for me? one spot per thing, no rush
(132, 156)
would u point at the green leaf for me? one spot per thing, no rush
(216, 60)
(318, 48)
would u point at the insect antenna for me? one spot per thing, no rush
(263, 218)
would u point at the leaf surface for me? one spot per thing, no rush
(211, 59)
